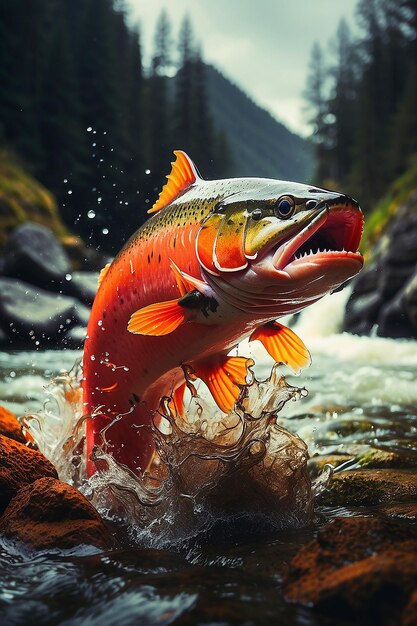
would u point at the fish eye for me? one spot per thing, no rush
(256, 214)
(285, 207)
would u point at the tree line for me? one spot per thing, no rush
(363, 105)
(90, 121)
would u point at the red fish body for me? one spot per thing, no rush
(218, 262)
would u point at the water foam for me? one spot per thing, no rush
(206, 468)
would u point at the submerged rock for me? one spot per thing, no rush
(356, 567)
(33, 254)
(9, 426)
(50, 514)
(20, 466)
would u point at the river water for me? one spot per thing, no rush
(361, 392)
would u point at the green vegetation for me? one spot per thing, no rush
(22, 199)
(363, 105)
(403, 189)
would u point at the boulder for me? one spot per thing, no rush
(9, 426)
(370, 487)
(50, 514)
(33, 254)
(392, 279)
(409, 301)
(367, 280)
(362, 313)
(20, 466)
(32, 315)
(83, 286)
(394, 322)
(356, 568)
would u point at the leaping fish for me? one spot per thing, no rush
(217, 262)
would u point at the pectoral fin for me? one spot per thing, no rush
(283, 345)
(157, 319)
(224, 376)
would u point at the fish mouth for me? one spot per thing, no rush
(332, 236)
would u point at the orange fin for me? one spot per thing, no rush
(283, 345)
(158, 319)
(185, 282)
(224, 376)
(102, 274)
(183, 174)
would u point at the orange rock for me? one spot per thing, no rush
(9, 426)
(51, 514)
(19, 466)
(356, 568)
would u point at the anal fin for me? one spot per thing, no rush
(224, 376)
(283, 345)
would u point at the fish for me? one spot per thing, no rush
(218, 261)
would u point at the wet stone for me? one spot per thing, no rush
(371, 487)
(33, 254)
(83, 286)
(19, 466)
(50, 514)
(356, 568)
(9, 426)
(30, 314)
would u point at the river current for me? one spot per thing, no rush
(362, 392)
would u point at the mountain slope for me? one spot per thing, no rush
(260, 145)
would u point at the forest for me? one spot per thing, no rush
(89, 121)
(362, 105)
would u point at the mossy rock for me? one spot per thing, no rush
(22, 199)
(402, 191)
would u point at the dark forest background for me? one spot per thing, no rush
(363, 105)
(97, 127)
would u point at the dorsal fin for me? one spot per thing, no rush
(102, 274)
(183, 174)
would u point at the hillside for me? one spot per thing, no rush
(260, 145)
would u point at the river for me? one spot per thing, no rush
(361, 392)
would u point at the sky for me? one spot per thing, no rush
(263, 46)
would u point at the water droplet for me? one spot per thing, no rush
(91, 214)
(68, 276)
(89, 129)
(69, 192)
(147, 171)
(65, 180)
(12, 374)
(100, 323)
(92, 357)
(99, 199)
(105, 231)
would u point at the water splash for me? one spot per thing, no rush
(207, 469)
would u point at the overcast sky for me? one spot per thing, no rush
(262, 45)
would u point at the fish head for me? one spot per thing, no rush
(289, 241)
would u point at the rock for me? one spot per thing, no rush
(33, 254)
(362, 312)
(316, 463)
(4, 339)
(31, 314)
(83, 286)
(406, 511)
(393, 321)
(9, 426)
(402, 248)
(409, 301)
(19, 466)
(50, 514)
(375, 458)
(410, 611)
(356, 568)
(370, 487)
(392, 279)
